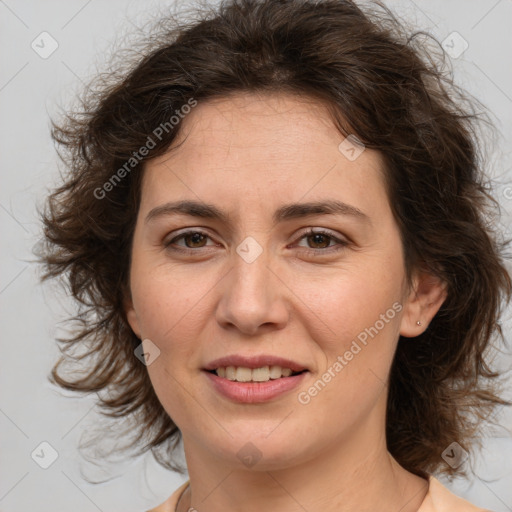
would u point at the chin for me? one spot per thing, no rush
(260, 453)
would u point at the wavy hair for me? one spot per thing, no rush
(381, 83)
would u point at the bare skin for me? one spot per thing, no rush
(299, 299)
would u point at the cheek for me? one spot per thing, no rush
(167, 298)
(169, 313)
(357, 351)
(353, 303)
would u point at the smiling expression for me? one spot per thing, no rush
(258, 238)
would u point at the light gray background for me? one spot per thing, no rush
(31, 88)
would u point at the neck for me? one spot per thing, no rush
(347, 479)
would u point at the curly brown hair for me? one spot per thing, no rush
(380, 83)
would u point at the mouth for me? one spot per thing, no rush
(261, 374)
(254, 379)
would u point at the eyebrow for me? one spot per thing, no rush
(285, 212)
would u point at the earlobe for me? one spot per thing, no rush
(425, 298)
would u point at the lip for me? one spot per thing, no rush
(254, 362)
(254, 392)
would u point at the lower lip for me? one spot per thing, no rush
(254, 392)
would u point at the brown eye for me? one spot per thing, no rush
(319, 239)
(322, 242)
(192, 240)
(196, 239)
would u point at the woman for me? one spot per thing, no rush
(275, 222)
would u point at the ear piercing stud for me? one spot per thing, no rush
(418, 323)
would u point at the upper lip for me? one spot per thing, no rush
(254, 362)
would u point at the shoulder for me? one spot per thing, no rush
(169, 505)
(441, 499)
(438, 499)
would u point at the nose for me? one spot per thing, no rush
(253, 297)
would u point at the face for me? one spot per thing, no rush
(267, 284)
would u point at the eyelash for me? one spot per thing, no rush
(312, 252)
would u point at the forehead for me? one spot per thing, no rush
(256, 123)
(254, 147)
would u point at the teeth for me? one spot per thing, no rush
(263, 374)
(243, 374)
(275, 372)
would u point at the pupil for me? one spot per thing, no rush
(196, 238)
(316, 238)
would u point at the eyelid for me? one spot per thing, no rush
(311, 230)
(341, 241)
(341, 244)
(180, 234)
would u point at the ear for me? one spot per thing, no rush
(131, 315)
(427, 294)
